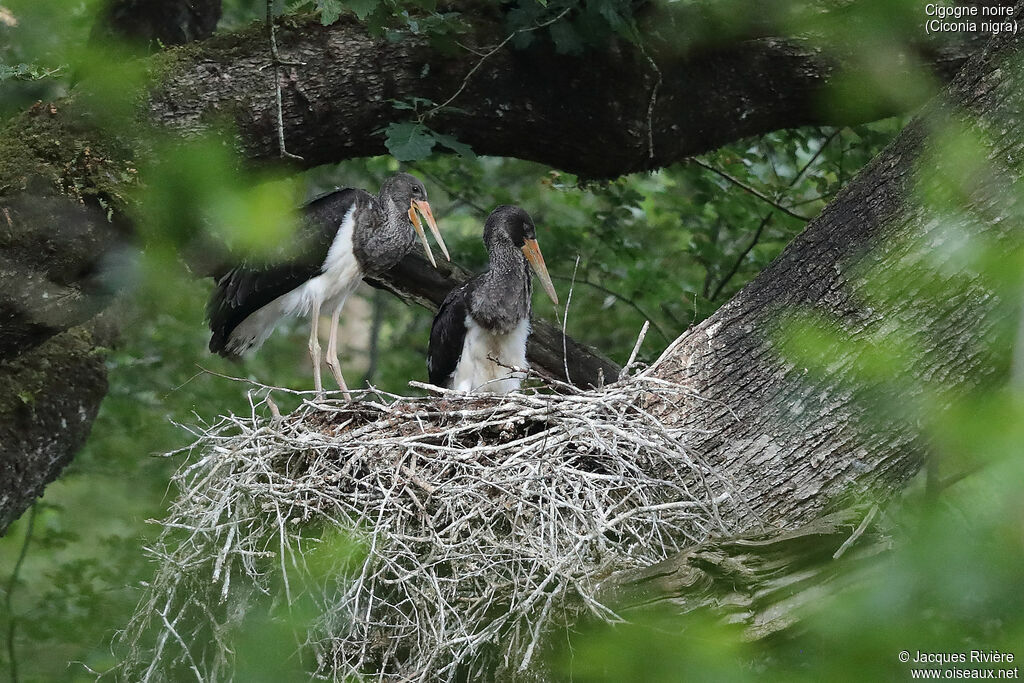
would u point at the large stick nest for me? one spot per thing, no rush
(483, 522)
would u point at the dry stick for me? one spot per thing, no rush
(747, 188)
(565, 320)
(652, 101)
(505, 520)
(282, 150)
(636, 350)
(857, 533)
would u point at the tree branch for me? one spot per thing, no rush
(340, 91)
(48, 399)
(751, 190)
(335, 95)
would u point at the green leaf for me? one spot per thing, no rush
(363, 8)
(330, 10)
(409, 141)
(567, 41)
(26, 72)
(451, 143)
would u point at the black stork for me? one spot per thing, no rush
(480, 331)
(344, 236)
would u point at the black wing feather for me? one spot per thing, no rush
(244, 289)
(447, 335)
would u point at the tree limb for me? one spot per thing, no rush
(766, 581)
(340, 89)
(514, 105)
(793, 438)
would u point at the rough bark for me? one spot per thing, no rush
(793, 441)
(50, 397)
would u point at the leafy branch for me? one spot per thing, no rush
(414, 140)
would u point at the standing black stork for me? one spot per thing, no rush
(344, 236)
(480, 330)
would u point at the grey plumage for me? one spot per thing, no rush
(380, 245)
(345, 236)
(480, 330)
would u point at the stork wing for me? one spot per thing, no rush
(447, 335)
(246, 288)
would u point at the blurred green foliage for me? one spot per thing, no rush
(669, 247)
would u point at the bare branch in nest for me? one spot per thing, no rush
(486, 522)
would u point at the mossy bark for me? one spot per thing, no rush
(49, 398)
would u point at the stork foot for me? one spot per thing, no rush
(332, 356)
(336, 371)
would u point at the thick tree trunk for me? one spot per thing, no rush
(52, 163)
(42, 422)
(791, 441)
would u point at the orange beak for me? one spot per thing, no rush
(422, 207)
(532, 252)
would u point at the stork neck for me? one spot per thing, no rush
(507, 262)
(381, 242)
(501, 297)
(395, 218)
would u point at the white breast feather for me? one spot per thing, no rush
(476, 371)
(339, 277)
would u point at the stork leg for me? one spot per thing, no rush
(314, 348)
(332, 353)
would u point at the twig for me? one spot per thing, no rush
(765, 220)
(481, 517)
(480, 210)
(652, 101)
(282, 150)
(565, 320)
(813, 158)
(636, 349)
(629, 302)
(856, 534)
(12, 582)
(465, 81)
(376, 323)
(747, 188)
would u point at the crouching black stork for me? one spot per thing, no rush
(344, 236)
(480, 331)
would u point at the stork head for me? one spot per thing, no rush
(407, 192)
(511, 224)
